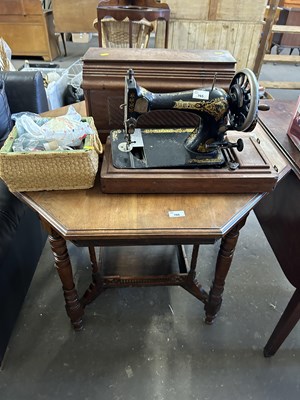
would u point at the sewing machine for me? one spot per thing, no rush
(213, 154)
(204, 145)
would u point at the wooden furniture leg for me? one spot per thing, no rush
(74, 308)
(191, 284)
(62, 35)
(224, 260)
(288, 320)
(96, 287)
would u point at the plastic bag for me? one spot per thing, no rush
(37, 133)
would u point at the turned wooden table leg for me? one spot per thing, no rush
(224, 260)
(74, 309)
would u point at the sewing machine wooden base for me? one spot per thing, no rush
(255, 174)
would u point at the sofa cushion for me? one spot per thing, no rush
(5, 115)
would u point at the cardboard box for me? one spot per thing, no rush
(82, 37)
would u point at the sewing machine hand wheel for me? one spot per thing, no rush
(244, 97)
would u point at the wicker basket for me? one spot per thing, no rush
(50, 170)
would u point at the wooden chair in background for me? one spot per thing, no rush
(116, 33)
(132, 20)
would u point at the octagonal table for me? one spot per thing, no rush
(91, 218)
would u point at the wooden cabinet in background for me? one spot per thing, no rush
(74, 15)
(292, 3)
(289, 17)
(28, 29)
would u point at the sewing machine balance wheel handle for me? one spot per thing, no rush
(244, 98)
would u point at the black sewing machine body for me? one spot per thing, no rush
(205, 145)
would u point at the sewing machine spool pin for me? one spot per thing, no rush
(214, 82)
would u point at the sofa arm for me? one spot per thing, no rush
(25, 91)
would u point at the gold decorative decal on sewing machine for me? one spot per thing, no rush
(167, 130)
(114, 134)
(215, 107)
(207, 161)
(131, 102)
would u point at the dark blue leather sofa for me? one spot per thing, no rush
(21, 236)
